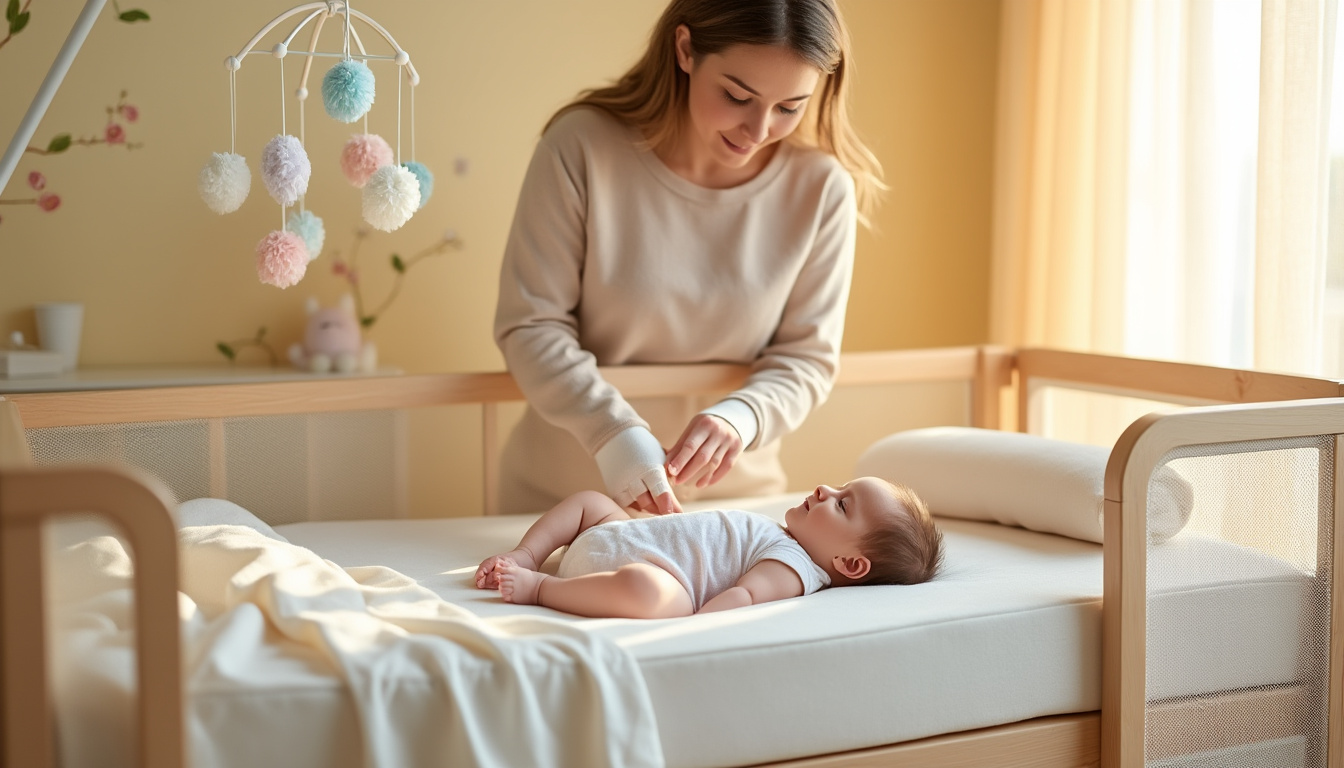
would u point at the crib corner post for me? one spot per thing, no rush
(490, 458)
(24, 701)
(993, 374)
(14, 449)
(1335, 722)
(139, 506)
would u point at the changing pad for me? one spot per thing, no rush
(1010, 630)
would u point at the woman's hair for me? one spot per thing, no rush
(652, 95)
(905, 548)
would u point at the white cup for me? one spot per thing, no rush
(58, 327)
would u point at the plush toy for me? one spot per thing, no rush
(332, 341)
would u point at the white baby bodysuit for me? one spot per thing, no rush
(707, 551)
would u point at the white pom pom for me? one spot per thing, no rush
(285, 169)
(224, 182)
(391, 197)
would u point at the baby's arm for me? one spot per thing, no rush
(766, 581)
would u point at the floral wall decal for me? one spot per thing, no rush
(17, 16)
(45, 201)
(113, 133)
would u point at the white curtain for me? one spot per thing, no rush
(1163, 190)
(1162, 179)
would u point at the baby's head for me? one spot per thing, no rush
(868, 531)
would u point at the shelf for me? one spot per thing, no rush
(147, 377)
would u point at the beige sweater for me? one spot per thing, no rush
(613, 259)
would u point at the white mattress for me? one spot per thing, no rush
(1011, 630)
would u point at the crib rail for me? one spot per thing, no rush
(137, 505)
(58, 409)
(986, 370)
(1137, 454)
(1166, 381)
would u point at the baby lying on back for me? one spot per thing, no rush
(867, 531)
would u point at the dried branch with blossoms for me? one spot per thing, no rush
(349, 271)
(113, 133)
(231, 349)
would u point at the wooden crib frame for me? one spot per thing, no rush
(1113, 737)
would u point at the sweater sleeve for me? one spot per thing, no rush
(795, 372)
(536, 327)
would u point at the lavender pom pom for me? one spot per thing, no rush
(308, 226)
(391, 197)
(285, 169)
(347, 90)
(425, 178)
(224, 182)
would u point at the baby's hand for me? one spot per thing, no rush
(487, 575)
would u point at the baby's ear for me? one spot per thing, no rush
(852, 567)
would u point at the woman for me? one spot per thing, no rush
(681, 216)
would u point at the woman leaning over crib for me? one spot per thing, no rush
(700, 209)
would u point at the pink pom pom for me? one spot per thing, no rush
(364, 153)
(282, 258)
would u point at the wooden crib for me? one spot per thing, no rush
(1237, 410)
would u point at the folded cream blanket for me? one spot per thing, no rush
(510, 691)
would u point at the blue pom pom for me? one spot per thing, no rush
(309, 227)
(426, 179)
(347, 90)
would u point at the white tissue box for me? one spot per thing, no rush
(19, 363)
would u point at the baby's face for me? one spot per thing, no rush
(831, 521)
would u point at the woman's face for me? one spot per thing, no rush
(742, 101)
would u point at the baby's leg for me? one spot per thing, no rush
(559, 526)
(635, 591)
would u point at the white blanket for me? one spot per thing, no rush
(512, 691)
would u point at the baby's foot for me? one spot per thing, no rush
(487, 575)
(519, 585)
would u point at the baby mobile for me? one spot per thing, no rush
(392, 190)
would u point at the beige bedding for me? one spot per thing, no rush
(366, 667)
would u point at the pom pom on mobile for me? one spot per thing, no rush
(393, 190)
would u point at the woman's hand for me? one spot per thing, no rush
(632, 467)
(705, 452)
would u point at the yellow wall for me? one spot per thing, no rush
(924, 101)
(163, 278)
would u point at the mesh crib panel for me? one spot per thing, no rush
(284, 469)
(1238, 610)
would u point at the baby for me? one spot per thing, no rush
(868, 531)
